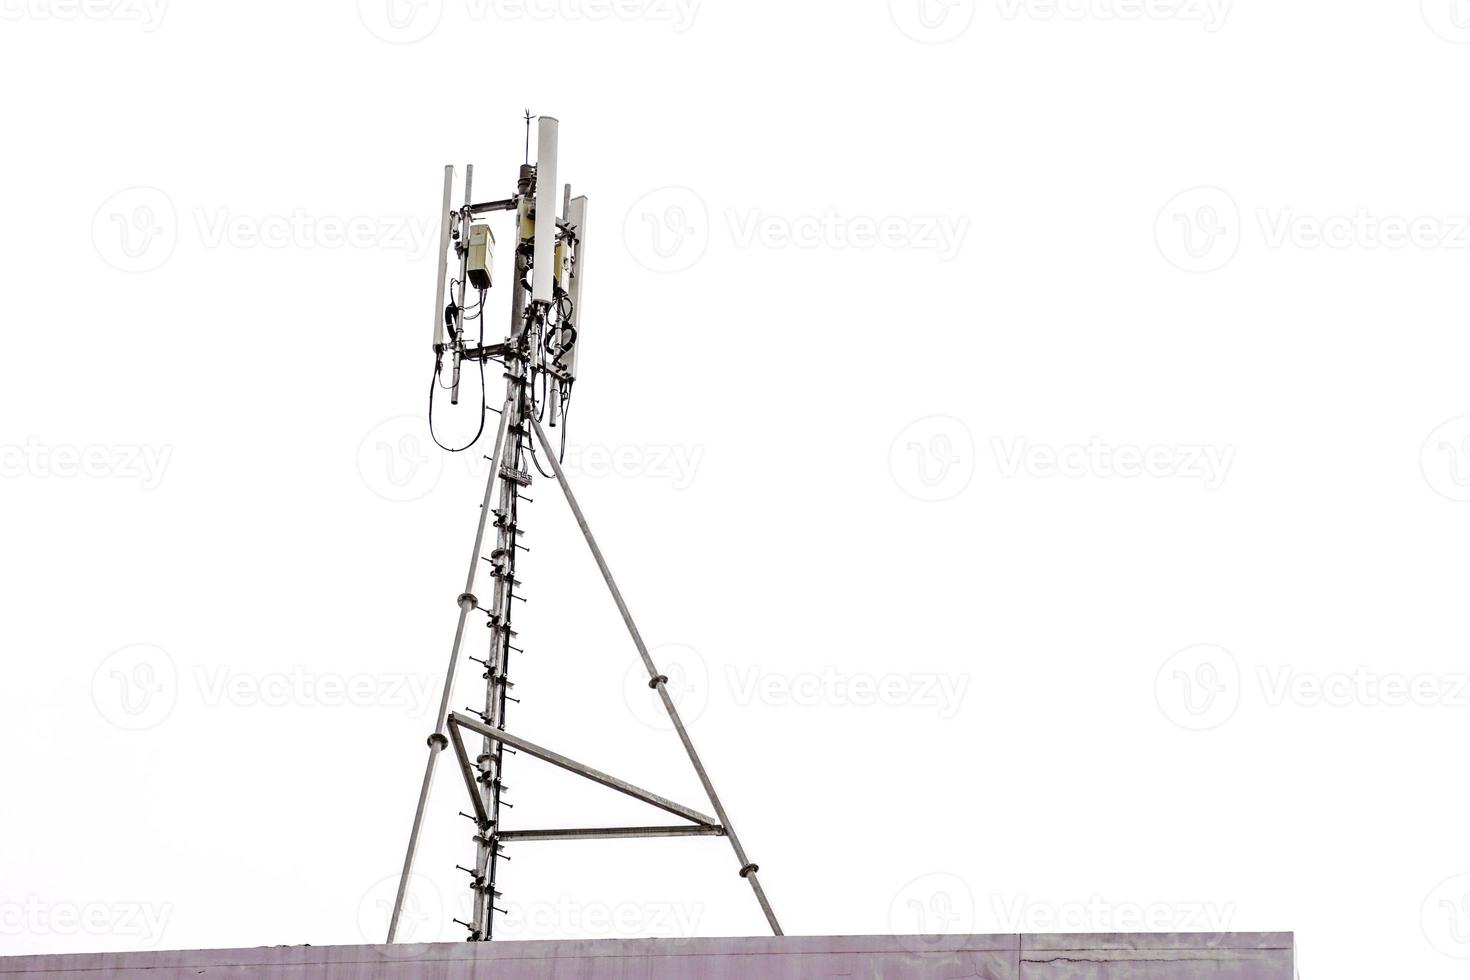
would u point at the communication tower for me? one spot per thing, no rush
(548, 233)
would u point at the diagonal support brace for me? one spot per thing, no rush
(457, 720)
(656, 680)
(467, 770)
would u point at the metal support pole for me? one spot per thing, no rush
(497, 660)
(611, 833)
(658, 681)
(437, 741)
(490, 762)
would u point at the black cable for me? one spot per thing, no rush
(566, 400)
(434, 383)
(536, 461)
(479, 307)
(442, 387)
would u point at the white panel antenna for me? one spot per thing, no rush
(547, 191)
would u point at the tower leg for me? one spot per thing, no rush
(497, 681)
(438, 741)
(658, 681)
(490, 763)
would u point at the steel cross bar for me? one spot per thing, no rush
(467, 769)
(604, 833)
(657, 680)
(437, 741)
(570, 765)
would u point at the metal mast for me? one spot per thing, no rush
(541, 347)
(508, 469)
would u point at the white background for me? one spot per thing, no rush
(1089, 382)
